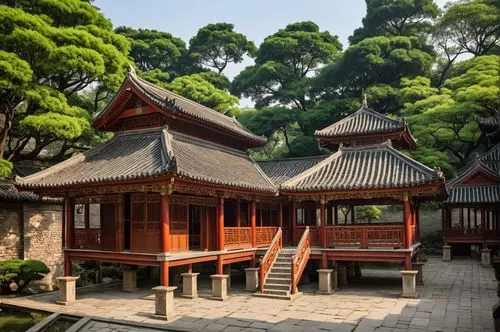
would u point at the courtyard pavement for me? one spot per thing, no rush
(457, 296)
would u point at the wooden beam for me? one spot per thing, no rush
(164, 273)
(253, 222)
(294, 222)
(407, 221)
(220, 224)
(165, 221)
(280, 215)
(322, 216)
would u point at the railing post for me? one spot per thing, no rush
(293, 286)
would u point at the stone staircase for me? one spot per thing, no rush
(278, 280)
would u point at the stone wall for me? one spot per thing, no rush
(43, 236)
(10, 231)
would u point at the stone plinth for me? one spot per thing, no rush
(417, 266)
(446, 253)
(164, 302)
(409, 283)
(335, 280)
(342, 275)
(219, 286)
(486, 257)
(325, 281)
(129, 280)
(252, 279)
(67, 290)
(190, 285)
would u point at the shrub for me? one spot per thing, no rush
(16, 274)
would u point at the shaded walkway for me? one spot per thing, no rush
(457, 296)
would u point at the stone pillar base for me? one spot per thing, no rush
(164, 302)
(67, 290)
(219, 287)
(129, 280)
(325, 282)
(409, 284)
(342, 275)
(190, 285)
(446, 253)
(417, 266)
(486, 257)
(252, 279)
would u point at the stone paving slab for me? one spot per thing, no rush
(457, 296)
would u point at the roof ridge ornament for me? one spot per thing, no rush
(439, 172)
(131, 70)
(365, 101)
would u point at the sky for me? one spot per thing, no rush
(256, 19)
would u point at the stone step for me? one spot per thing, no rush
(276, 292)
(281, 270)
(281, 266)
(281, 281)
(283, 260)
(275, 275)
(270, 286)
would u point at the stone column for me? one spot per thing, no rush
(227, 271)
(67, 290)
(342, 275)
(335, 280)
(252, 279)
(357, 269)
(417, 266)
(409, 283)
(164, 302)
(325, 281)
(219, 287)
(446, 253)
(129, 280)
(190, 285)
(485, 257)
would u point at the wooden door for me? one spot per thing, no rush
(179, 216)
(145, 222)
(208, 228)
(108, 226)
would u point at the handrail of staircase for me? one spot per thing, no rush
(299, 260)
(267, 261)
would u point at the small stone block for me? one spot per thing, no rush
(409, 284)
(417, 266)
(219, 287)
(325, 282)
(252, 279)
(164, 302)
(446, 253)
(190, 285)
(67, 290)
(129, 280)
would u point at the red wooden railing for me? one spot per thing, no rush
(265, 235)
(237, 237)
(267, 261)
(87, 238)
(365, 236)
(314, 232)
(299, 260)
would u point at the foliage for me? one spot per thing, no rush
(49, 51)
(368, 212)
(196, 88)
(21, 273)
(446, 120)
(396, 18)
(216, 45)
(5, 168)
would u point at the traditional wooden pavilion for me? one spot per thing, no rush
(176, 186)
(471, 214)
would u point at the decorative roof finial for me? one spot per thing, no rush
(131, 69)
(365, 102)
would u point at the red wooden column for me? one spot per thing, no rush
(220, 223)
(294, 222)
(238, 213)
(280, 215)
(407, 221)
(253, 222)
(417, 221)
(165, 234)
(322, 216)
(70, 221)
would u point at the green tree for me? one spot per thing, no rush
(196, 88)
(396, 18)
(50, 51)
(446, 119)
(285, 64)
(216, 45)
(368, 212)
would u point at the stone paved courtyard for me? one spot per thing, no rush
(457, 296)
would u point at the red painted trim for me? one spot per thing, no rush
(165, 222)
(253, 222)
(112, 257)
(164, 267)
(370, 190)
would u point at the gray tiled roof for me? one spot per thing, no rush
(474, 194)
(148, 153)
(8, 192)
(174, 102)
(280, 170)
(362, 122)
(368, 167)
(490, 121)
(492, 159)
